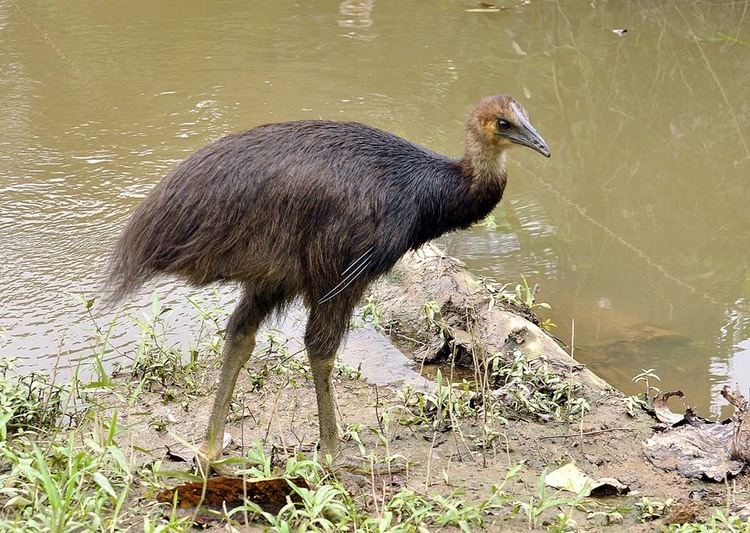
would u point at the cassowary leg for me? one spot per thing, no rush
(238, 347)
(325, 328)
(236, 353)
(322, 368)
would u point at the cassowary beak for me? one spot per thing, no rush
(533, 140)
(528, 136)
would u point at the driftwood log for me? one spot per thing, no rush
(474, 318)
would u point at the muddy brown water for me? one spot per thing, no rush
(636, 230)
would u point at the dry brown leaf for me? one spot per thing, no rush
(740, 447)
(663, 412)
(572, 479)
(224, 493)
(694, 451)
(701, 449)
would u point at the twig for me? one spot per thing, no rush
(377, 412)
(585, 433)
(429, 461)
(273, 412)
(410, 339)
(372, 485)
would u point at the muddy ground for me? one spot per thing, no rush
(465, 453)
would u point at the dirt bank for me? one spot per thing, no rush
(462, 439)
(509, 407)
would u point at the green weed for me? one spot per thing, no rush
(155, 363)
(527, 386)
(526, 296)
(633, 404)
(649, 509)
(29, 402)
(540, 503)
(347, 371)
(433, 319)
(371, 311)
(719, 521)
(646, 376)
(74, 482)
(440, 408)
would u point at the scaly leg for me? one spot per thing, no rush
(325, 328)
(238, 347)
(236, 353)
(322, 367)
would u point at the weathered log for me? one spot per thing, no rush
(474, 319)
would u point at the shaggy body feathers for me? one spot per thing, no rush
(290, 206)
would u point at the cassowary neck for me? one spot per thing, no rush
(485, 164)
(467, 192)
(483, 168)
(474, 188)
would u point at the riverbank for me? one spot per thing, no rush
(476, 451)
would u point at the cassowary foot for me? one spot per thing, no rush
(206, 468)
(209, 460)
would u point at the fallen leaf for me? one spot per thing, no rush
(695, 451)
(572, 479)
(180, 454)
(740, 447)
(700, 448)
(221, 494)
(181, 451)
(663, 412)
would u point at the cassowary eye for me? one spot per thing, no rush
(503, 125)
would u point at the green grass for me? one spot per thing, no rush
(28, 403)
(74, 482)
(329, 506)
(527, 386)
(65, 465)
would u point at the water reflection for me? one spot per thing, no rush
(637, 229)
(357, 14)
(645, 202)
